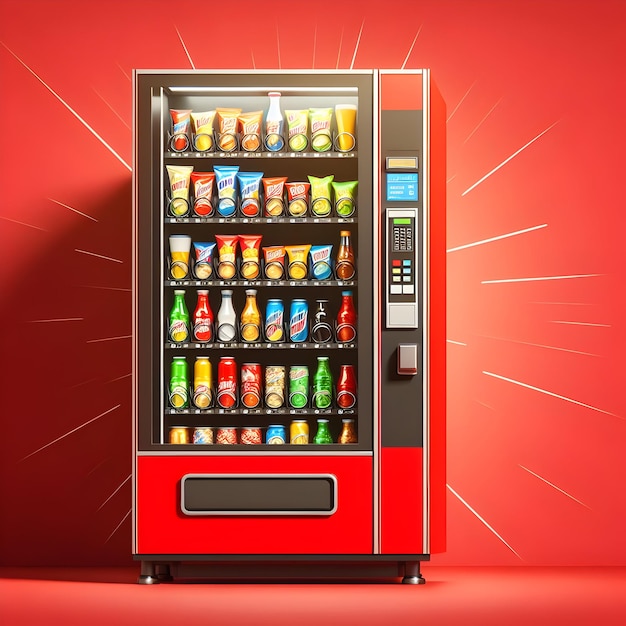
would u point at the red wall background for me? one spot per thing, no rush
(536, 220)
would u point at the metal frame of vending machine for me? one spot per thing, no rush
(370, 507)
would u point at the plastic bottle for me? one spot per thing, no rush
(226, 318)
(274, 123)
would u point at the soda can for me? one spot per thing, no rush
(299, 432)
(226, 435)
(275, 320)
(179, 383)
(227, 382)
(179, 434)
(276, 434)
(275, 386)
(202, 383)
(203, 435)
(299, 321)
(251, 385)
(250, 435)
(298, 386)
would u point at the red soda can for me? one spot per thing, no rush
(346, 387)
(227, 382)
(226, 435)
(251, 385)
(250, 435)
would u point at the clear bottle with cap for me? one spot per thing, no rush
(226, 318)
(274, 124)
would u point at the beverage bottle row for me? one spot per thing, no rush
(276, 434)
(252, 386)
(204, 327)
(232, 257)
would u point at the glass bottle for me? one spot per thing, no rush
(250, 318)
(346, 319)
(226, 318)
(322, 384)
(348, 434)
(178, 329)
(346, 387)
(345, 268)
(323, 434)
(274, 122)
(203, 318)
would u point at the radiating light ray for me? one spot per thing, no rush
(450, 179)
(356, 47)
(278, 48)
(555, 487)
(580, 323)
(119, 117)
(83, 383)
(495, 169)
(100, 256)
(121, 485)
(491, 110)
(536, 278)
(485, 405)
(481, 519)
(72, 111)
(93, 419)
(456, 343)
(540, 345)
(339, 51)
(56, 319)
(497, 238)
(8, 219)
(124, 71)
(193, 67)
(116, 528)
(460, 102)
(550, 393)
(107, 288)
(408, 54)
(113, 380)
(568, 303)
(314, 46)
(253, 61)
(109, 339)
(67, 206)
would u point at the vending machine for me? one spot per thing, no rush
(289, 323)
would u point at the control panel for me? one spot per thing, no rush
(401, 268)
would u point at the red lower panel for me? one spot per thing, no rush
(401, 501)
(161, 527)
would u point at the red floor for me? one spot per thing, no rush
(481, 596)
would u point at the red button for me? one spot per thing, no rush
(396, 263)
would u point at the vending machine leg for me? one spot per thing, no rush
(412, 574)
(148, 575)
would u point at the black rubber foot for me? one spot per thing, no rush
(146, 579)
(413, 580)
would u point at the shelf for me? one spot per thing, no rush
(193, 282)
(285, 219)
(263, 411)
(260, 155)
(259, 345)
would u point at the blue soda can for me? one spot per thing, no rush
(299, 321)
(275, 321)
(276, 434)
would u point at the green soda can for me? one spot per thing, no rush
(179, 383)
(323, 434)
(298, 386)
(322, 384)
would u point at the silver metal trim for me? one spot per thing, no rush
(162, 259)
(300, 513)
(376, 314)
(426, 163)
(257, 72)
(134, 347)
